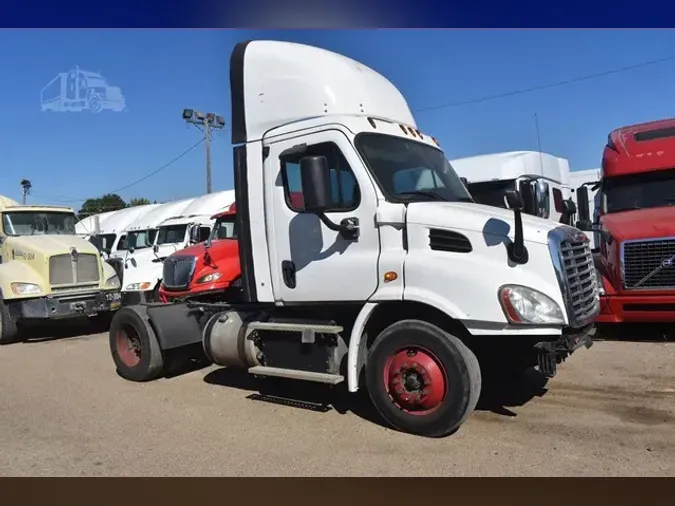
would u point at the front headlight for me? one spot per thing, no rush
(210, 278)
(113, 282)
(25, 288)
(524, 305)
(137, 287)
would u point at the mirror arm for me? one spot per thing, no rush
(348, 231)
(517, 250)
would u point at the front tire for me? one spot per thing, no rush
(9, 332)
(421, 379)
(134, 345)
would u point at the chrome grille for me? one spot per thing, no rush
(578, 279)
(178, 272)
(64, 271)
(644, 267)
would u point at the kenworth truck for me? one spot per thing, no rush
(47, 271)
(636, 224)
(389, 277)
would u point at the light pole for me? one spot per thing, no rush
(208, 121)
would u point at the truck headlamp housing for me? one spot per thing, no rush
(522, 305)
(113, 282)
(210, 278)
(25, 289)
(137, 287)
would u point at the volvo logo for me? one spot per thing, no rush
(74, 254)
(668, 262)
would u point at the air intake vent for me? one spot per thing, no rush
(445, 240)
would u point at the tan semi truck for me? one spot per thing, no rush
(47, 272)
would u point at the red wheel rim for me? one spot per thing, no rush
(128, 348)
(415, 380)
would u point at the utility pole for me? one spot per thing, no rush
(26, 187)
(206, 122)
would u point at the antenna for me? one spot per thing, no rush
(541, 158)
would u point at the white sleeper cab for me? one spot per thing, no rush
(386, 274)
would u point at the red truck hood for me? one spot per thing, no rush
(641, 223)
(223, 255)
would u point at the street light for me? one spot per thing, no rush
(208, 121)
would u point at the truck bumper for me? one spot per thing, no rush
(552, 353)
(637, 309)
(136, 298)
(67, 305)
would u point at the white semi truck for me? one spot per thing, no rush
(187, 225)
(389, 277)
(111, 234)
(489, 176)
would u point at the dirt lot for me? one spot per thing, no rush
(64, 411)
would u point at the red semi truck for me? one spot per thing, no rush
(636, 224)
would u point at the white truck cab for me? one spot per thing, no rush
(389, 276)
(190, 225)
(110, 238)
(141, 236)
(542, 179)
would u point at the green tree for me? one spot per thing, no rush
(103, 204)
(139, 201)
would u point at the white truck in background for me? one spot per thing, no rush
(87, 226)
(389, 276)
(181, 227)
(489, 176)
(110, 238)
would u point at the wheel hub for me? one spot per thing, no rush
(415, 380)
(128, 349)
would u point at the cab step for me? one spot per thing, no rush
(278, 372)
(308, 330)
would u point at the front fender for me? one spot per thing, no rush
(18, 272)
(108, 271)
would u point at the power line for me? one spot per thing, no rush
(547, 86)
(148, 175)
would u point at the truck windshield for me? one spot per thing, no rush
(638, 191)
(171, 234)
(104, 242)
(140, 239)
(224, 229)
(409, 171)
(38, 223)
(491, 193)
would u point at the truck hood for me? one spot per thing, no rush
(223, 257)
(49, 245)
(487, 220)
(641, 223)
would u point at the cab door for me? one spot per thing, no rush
(311, 262)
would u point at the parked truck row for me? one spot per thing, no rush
(357, 253)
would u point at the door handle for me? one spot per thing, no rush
(288, 273)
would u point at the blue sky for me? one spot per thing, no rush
(71, 156)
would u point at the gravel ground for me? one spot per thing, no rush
(65, 412)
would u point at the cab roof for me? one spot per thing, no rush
(275, 83)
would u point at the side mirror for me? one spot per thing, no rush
(582, 205)
(541, 198)
(131, 250)
(194, 234)
(514, 199)
(528, 198)
(464, 181)
(316, 188)
(569, 207)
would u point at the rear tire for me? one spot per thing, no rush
(421, 379)
(9, 332)
(134, 345)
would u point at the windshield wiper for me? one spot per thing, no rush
(425, 193)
